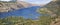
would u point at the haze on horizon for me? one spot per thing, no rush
(37, 1)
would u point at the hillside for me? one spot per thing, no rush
(5, 7)
(54, 7)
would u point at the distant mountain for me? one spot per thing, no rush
(26, 4)
(14, 6)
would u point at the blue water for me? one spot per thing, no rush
(29, 12)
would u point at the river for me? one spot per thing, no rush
(29, 12)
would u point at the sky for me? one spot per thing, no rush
(34, 1)
(37, 1)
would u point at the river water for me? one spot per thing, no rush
(29, 12)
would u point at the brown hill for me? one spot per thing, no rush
(54, 6)
(5, 7)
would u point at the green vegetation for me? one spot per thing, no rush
(22, 21)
